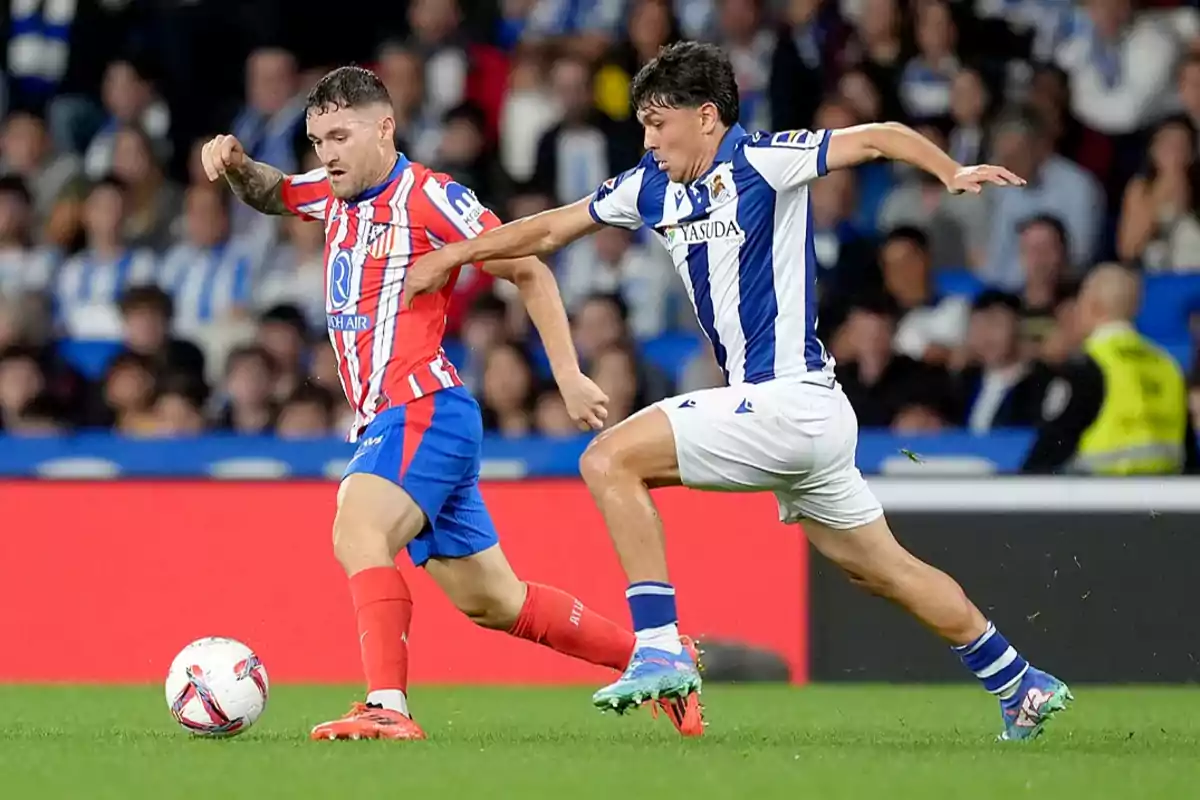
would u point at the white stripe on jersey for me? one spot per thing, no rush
(724, 271)
(388, 309)
(317, 207)
(788, 251)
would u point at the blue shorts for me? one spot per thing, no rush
(430, 449)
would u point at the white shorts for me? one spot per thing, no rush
(795, 438)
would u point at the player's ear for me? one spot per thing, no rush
(387, 128)
(709, 117)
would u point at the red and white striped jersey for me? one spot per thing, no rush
(387, 355)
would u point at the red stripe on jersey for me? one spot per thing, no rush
(375, 271)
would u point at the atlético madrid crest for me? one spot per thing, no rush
(381, 240)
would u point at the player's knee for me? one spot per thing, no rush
(358, 546)
(600, 462)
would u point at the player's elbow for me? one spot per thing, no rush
(529, 272)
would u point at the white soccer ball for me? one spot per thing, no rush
(216, 687)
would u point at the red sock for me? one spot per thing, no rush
(383, 608)
(557, 620)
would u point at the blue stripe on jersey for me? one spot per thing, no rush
(697, 261)
(814, 351)
(758, 307)
(376, 190)
(822, 162)
(652, 198)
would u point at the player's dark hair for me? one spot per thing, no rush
(688, 75)
(346, 87)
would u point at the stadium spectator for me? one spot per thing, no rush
(750, 45)
(26, 154)
(124, 397)
(21, 383)
(925, 83)
(845, 255)
(147, 330)
(551, 417)
(306, 414)
(877, 49)
(586, 147)
(652, 26)
(930, 327)
(294, 273)
(613, 262)
(268, 126)
(1159, 226)
(89, 283)
(857, 90)
(880, 382)
(283, 333)
(178, 407)
(1188, 88)
(998, 387)
(418, 131)
(436, 38)
(129, 99)
(462, 154)
(601, 323)
(586, 27)
(1120, 67)
(23, 267)
(507, 392)
(528, 112)
(970, 103)
(957, 226)
(803, 61)
(247, 405)
(1056, 186)
(1043, 248)
(615, 371)
(1049, 97)
(153, 202)
(484, 327)
(210, 276)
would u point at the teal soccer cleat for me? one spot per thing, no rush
(1039, 697)
(652, 674)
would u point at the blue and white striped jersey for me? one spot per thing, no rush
(741, 239)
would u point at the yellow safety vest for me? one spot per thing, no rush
(1140, 427)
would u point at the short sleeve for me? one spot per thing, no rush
(456, 213)
(615, 202)
(307, 195)
(789, 159)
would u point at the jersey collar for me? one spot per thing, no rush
(377, 189)
(725, 151)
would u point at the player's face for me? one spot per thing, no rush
(355, 146)
(676, 138)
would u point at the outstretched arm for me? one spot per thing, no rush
(850, 147)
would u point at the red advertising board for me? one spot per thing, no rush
(104, 582)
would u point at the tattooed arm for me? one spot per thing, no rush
(258, 185)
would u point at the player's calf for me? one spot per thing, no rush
(485, 588)
(874, 560)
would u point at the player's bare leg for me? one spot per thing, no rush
(375, 520)
(484, 587)
(875, 561)
(620, 467)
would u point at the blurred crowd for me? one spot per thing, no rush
(214, 315)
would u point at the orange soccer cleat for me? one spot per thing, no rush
(685, 713)
(369, 722)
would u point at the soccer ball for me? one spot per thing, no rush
(216, 687)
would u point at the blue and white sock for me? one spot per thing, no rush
(655, 621)
(995, 662)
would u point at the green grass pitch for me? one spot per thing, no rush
(861, 742)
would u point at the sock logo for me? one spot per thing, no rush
(1031, 706)
(576, 613)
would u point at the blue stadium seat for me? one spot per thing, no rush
(89, 357)
(1167, 301)
(958, 282)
